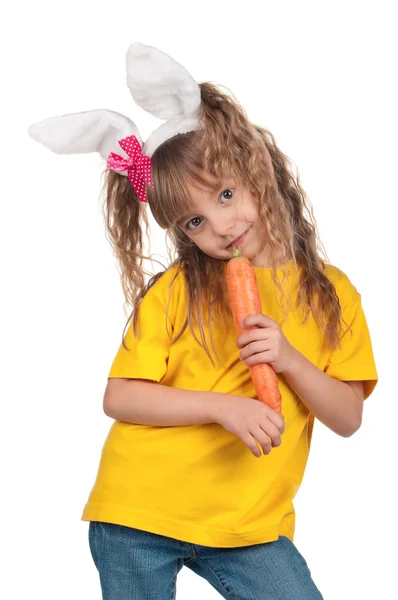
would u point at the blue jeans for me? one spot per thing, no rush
(139, 565)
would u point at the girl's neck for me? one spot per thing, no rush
(263, 262)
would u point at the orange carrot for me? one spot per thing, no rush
(245, 300)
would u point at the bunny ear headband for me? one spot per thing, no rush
(159, 85)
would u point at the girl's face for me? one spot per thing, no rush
(217, 218)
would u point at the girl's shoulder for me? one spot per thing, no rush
(345, 289)
(163, 293)
(167, 282)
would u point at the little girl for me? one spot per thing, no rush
(196, 471)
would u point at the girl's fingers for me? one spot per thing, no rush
(271, 435)
(255, 335)
(253, 348)
(250, 442)
(264, 440)
(277, 420)
(256, 359)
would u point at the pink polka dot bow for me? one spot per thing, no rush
(139, 168)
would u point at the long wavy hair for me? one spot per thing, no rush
(227, 143)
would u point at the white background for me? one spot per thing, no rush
(320, 76)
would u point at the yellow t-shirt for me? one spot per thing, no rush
(200, 483)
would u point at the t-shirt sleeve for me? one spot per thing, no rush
(354, 360)
(147, 354)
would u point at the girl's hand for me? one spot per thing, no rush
(266, 344)
(250, 420)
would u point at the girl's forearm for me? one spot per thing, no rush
(333, 402)
(150, 403)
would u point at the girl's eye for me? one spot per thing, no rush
(191, 221)
(228, 191)
(228, 195)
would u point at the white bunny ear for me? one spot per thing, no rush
(160, 85)
(91, 131)
(167, 131)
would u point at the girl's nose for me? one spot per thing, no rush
(223, 227)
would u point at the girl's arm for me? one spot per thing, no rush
(147, 402)
(144, 402)
(338, 404)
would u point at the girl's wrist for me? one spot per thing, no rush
(294, 364)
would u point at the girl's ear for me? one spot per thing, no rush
(79, 133)
(160, 85)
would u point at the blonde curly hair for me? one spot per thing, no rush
(227, 142)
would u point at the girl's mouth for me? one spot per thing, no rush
(239, 241)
